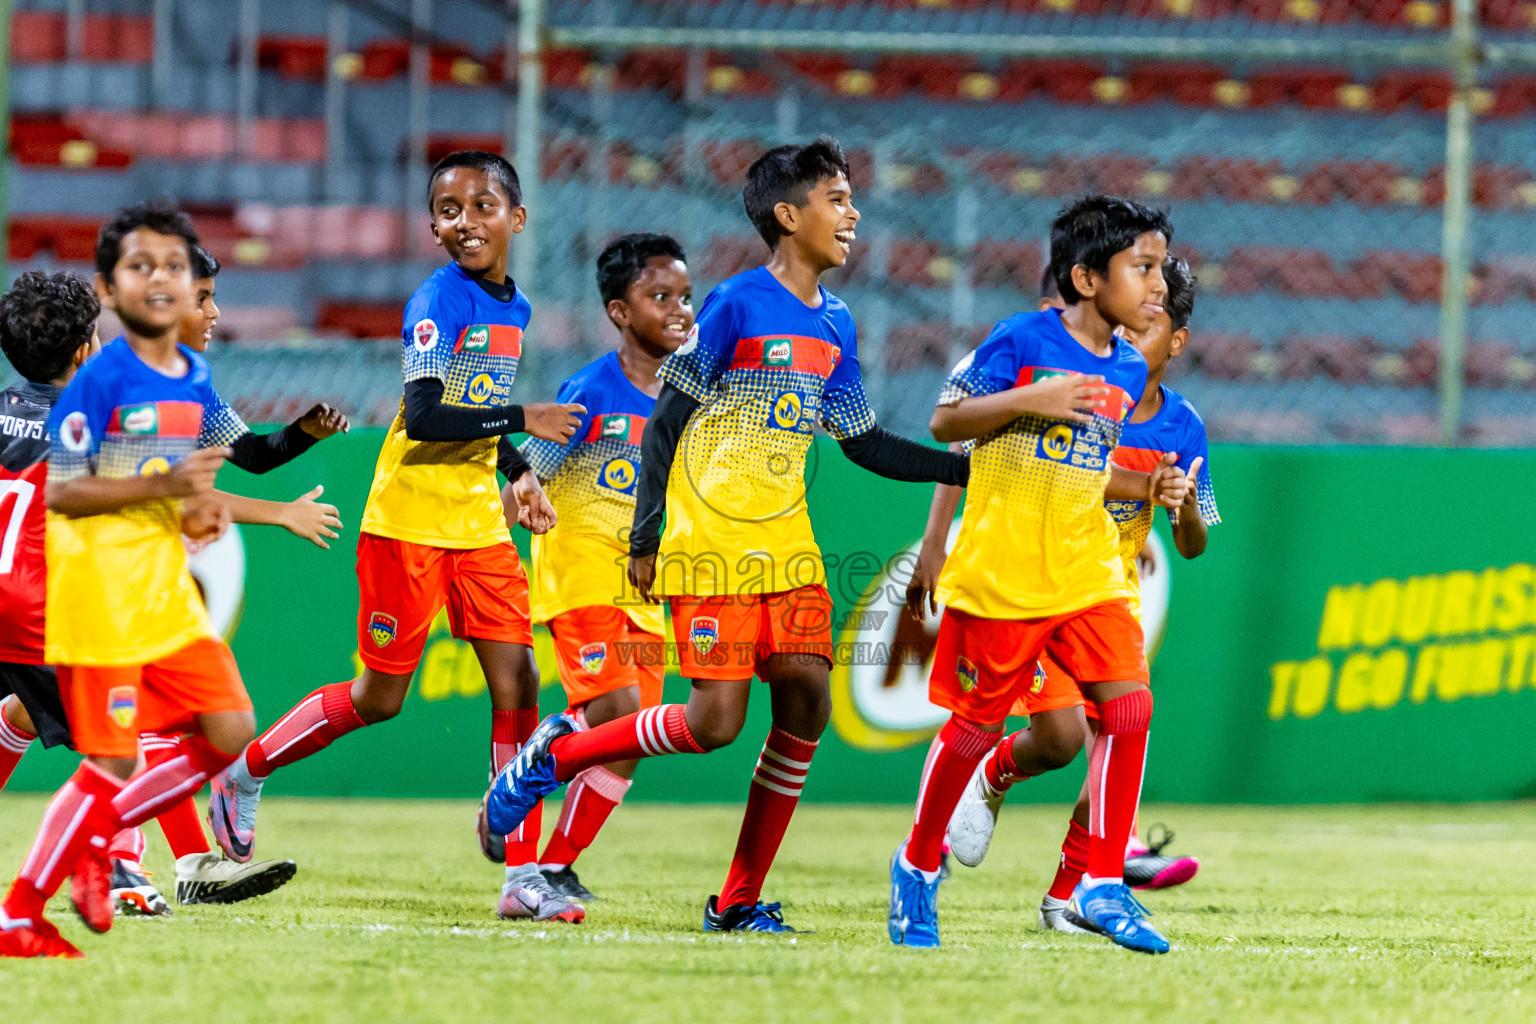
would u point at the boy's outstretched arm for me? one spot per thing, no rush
(90, 495)
(428, 419)
(262, 453)
(1070, 397)
(303, 516)
(897, 458)
(658, 447)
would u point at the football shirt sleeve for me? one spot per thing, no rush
(222, 426)
(695, 368)
(546, 457)
(434, 319)
(75, 429)
(1194, 447)
(845, 408)
(992, 367)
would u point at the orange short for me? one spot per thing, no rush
(982, 666)
(109, 705)
(1051, 690)
(600, 649)
(730, 637)
(402, 586)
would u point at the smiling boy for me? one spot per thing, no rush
(433, 530)
(773, 354)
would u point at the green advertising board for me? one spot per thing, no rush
(1362, 627)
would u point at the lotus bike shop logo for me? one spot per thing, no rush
(480, 388)
(1056, 442)
(880, 690)
(593, 657)
(619, 475)
(154, 465)
(787, 410)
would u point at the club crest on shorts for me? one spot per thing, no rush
(704, 633)
(1038, 684)
(966, 674)
(382, 628)
(123, 705)
(593, 656)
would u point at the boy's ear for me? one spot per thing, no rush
(1084, 280)
(618, 312)
(788, 217)
(104, 293)
(1178, 341)
(519, 219)
(432, 223)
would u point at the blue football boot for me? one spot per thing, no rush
(760, 917)
(1114, 912)
(527, 778)
(914, 915)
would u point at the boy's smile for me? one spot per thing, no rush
(474, 222)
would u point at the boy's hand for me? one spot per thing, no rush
(194, 474)
(534, 511)
(307, 518)
(1071, 397)
(552, 421)
(204, 519)
(322, 421)
(925, 580)
(1168, 485)
(642, 576)
(1146, 561)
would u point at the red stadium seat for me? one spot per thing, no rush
(301, 58)
(359, 319)
(37, 37)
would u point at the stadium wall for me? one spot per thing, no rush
(1363, 627)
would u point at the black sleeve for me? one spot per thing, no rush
(259, 453)
(896, 458)
(663, 430)
(428, 419)
(510, 461)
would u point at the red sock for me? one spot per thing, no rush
(127, 844)
(315, 723)
(181, 824)
(1114, 780)
(158, 789)
(1000, 770)
(79, 817)
(1074, 862)
(650, 733)
(509, 731)
(589, 800)
(776, 785)
(13, 744)
(956, 751)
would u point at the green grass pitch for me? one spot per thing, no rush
(1382, 913)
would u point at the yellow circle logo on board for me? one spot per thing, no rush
(619, 474)
(1057, 441)
(786, 411)
(479, 390)
(154, 464)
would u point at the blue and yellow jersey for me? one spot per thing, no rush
(591, 482)
(1177, 428)
(444, 493)
(119, 592)
(767, 369)
(1035, 539)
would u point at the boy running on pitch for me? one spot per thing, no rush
(610, 650)
(434, 531)
(772, 355)
(1163, 422)
(1036, 565)
(124, 623)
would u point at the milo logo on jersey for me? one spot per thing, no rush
(622, 427)
(778, 352)
(502, 340)
(157, 419)
(1115, 405)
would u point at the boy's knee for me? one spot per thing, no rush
(1059, 751)
(716, 732)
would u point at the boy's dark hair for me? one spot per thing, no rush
(1180, 303)
(44, 319)
(623, 261)
(1048, 289)
(492, 165)
(158, 215)
(787, 175)
(204, 263)
(1092, 230)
